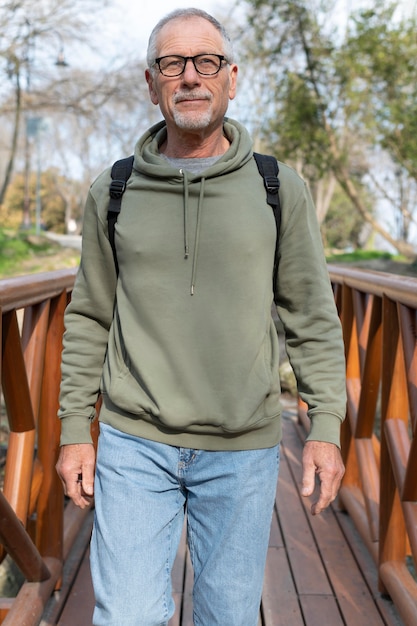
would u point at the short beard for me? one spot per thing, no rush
(193, 120)
(196, 122)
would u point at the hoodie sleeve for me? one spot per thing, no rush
(308, 312)
(87, 321)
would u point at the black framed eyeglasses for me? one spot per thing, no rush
(205, 64)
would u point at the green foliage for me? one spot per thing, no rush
(381, 52)
(24, 252)
(358, 255)
(15, 247)
(342, 228)
(57, 195)
(338, 102)
(363, 84)
(298, 59)
(302, 132)
(11, 211)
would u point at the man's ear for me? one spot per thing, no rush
(152, 92)
(233, 70)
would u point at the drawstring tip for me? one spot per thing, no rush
(192, 290)
(186, 253)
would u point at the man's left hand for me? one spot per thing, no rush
(325, 460)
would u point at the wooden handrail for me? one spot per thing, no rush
(397, 288)
(32, 503)
(379, 437)
(378, 313)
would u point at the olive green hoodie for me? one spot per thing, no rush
(182, 344)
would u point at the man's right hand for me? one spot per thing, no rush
(75, 467)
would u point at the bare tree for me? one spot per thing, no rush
(32, 29)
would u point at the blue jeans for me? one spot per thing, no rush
(142, 490)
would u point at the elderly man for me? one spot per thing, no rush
(181, 344)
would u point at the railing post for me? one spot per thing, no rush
(51, 498)
(19, 464)
(392, 536)
(35, 324)
(350, 338)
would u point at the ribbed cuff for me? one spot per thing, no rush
(75, 429)
(325, 427)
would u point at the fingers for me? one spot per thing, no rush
(326, 496)
(77, 494)
(309, 478)
(75, 467)
(81, 490)
(324, 460)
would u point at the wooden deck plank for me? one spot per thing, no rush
(81, 596)
(321, 611)
(349, 586)
(303, 553)
(367, 566)
(280, 606)
(76, 560)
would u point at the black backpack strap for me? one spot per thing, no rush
(122, 169)
(120, 173)
(269, 170)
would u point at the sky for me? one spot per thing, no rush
(126, 25)
(131, 22)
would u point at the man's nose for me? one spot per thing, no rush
(190, 74)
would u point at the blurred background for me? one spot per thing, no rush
(328, 86)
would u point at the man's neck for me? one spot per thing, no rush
(189, 145)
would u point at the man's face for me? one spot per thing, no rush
(192, 102)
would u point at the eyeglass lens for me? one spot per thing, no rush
(205, 64)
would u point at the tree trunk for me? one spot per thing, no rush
(348, 186)
(13, 149)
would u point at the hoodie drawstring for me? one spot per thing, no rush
(197, 236)
(185, 183)
(197, 228)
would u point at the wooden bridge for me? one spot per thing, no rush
(354, 565)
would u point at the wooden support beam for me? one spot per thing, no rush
(30, 602)
(19, 545)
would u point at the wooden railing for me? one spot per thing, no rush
(379, 439)
(379, 442)
(34, 530)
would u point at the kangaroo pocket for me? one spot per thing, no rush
(198, 391)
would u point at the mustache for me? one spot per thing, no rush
(191, 95)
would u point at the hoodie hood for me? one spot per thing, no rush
(148, 162)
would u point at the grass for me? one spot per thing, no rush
(358, 255)
(23, 252)
(376, 261)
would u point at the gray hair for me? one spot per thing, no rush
(185, 14)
